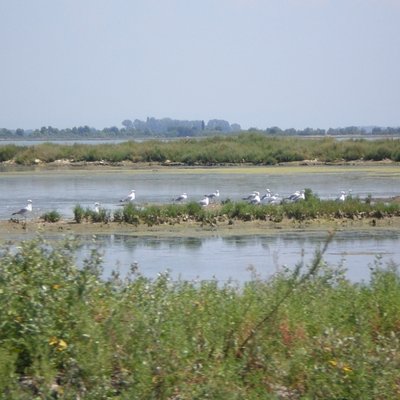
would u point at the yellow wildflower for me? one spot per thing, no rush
(62, 345)
(59, 344)
(53, 341)
(333, 363)
(346, 369)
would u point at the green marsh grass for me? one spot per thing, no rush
(51, 216)
(307, 332)
(90, 215)
(311, 208)
(247, 148)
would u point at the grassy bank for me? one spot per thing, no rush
(244, 148)
(311, 208)
(307, 333)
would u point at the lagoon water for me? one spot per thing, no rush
(237, 258)
(222, 258)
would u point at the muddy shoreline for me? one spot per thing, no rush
(9, 229)
(66, 164)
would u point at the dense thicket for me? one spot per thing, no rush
(244, 148)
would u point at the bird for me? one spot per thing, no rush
(294, 196)
(251, 196)
(25, 210)
(266, 196)
(181, 197)
(297, 196)
(343, 196)
(131, 196)
(256, 199)
(212, 196)
(205, 201)
(275, 199)
(96, 208)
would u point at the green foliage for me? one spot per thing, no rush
(249, 147)
(51, 216)
(79, 213)
(89, 215)
(8, 152)
(307, 332)
(312, 207)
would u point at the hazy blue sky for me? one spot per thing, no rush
(260, 63)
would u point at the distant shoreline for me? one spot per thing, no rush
(167, 138)
(11, 165)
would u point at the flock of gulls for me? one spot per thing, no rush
(253, 198)
(256, 198)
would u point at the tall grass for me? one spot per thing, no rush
(244, 148)
(305, 333)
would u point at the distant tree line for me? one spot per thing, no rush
(151, 128)
(348, 131)
(169, 128)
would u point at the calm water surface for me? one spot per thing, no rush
(235, 257)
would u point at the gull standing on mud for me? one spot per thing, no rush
(24, 211)
(131, 196)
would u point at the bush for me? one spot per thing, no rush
(8, 152)
(89, 215)
(52, 216)
(79, 213)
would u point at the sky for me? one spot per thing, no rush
(259, 63)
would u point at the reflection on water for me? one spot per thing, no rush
(234, 257)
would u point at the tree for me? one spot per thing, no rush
(127, 123)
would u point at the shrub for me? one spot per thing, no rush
(130, 214)
(8, 152)
(51, 216)
(79, 213)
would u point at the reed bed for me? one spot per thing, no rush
(249, 148)
(305, 333)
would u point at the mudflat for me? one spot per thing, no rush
(9, 229)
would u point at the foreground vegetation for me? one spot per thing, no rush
(307, 333)
(311, 208)
(244, 148)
